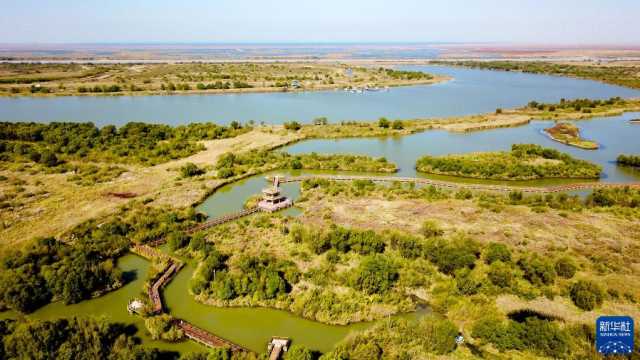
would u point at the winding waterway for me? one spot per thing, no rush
(470, 92)
(616, 135)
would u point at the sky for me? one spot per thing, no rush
(265, 21)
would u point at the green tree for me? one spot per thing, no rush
(383, 123)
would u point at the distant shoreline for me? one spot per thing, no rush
(258, 90)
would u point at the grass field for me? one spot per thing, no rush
(50, 204)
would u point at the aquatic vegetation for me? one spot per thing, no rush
(232, 164)
(629, 160)
(524, 162)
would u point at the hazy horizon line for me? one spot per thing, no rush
(398, 42)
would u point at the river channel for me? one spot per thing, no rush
(469, 92)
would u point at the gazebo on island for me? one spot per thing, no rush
(272, 199)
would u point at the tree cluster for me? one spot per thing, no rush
(75, 338)
(146, 144)
(48, 269)
(524, 162)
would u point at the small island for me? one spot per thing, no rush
(629, 160)
(569, 134)
(523, 162)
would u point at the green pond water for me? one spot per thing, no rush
(249, 327)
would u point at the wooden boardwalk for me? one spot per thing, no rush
(454, 185)
(149, 252)
(224, 219)
(206, 338)
(154, 291)
(168, 272)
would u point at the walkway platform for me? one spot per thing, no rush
(454, 185)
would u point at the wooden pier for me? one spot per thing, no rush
(454, 185)
(277, 347)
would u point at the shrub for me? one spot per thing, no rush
(397, 339)
(465, 283)
(410, 247)
(225, 173)
(292, 125)
(566, 267)
(178, 240)
(502, 336)
(383, 123)
(162, 327)
(299, 352)
(546, 338)
(450, 256)
(537, 271)
(500, 274)
(430, 229)
(190, 170)
(375, 275)
(397, 125)
(497, 252)
(586, 295)
(541, 336)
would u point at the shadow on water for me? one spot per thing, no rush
(129, 276)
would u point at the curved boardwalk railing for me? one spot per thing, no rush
(167, 273)
(453, 185)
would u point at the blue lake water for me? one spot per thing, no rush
(471, 91)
